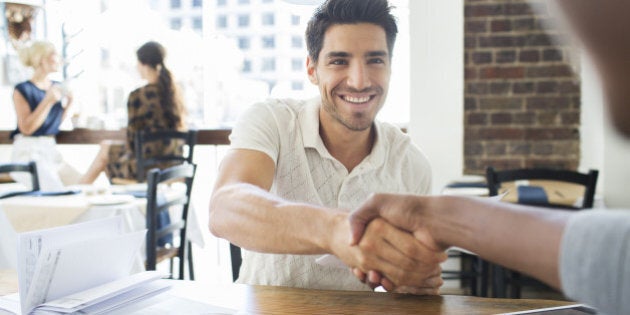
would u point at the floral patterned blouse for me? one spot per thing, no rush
(144, 113)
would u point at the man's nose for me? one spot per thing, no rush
(358, 77)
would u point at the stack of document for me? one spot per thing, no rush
(82, 268)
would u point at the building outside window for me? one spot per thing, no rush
(197, 23)
(244, 43)
(197, 3)
(268, 41)
(176, 23)
(296, 41)
(222, 21)
(243, 20)
(268, 64)
(268, 19)
(297, 64)
(176, 4)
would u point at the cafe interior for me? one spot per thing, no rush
(500, 98)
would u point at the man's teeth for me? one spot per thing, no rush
(357, 99)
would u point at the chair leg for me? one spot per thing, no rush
(515, 287)
(191, 270)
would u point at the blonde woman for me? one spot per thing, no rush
(40, 111)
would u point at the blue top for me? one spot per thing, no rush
(34, 95)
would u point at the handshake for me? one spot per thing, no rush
(392, 244)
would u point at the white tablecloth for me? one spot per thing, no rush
(25, 213)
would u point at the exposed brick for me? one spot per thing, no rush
(475, 27)
(547, 118)
(493, 149)
(547, 103)
(538, 40)
(567, 87)
(499, 88)
(505, 56)
(552, 55)
(483, 10)
(470, 73)
(522, 87)
(474, 148)
(500, 41)
(477, 119)
(551, 133)
(542, 149)
(501, 118)
(470, 103)
(525, 24)
(564, 164)
(502, 164)
(544, 87)
(478, 88)
(482, 57)
(500, 103)
(525, 118)
(570, 118)
(529, 56)
(500, 26)
(525, 8)
(501, 133)
(518, 148)
(470, 41)
(501, 72)
(549, 71)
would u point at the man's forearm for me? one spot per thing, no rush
(254, 219)
(526, 239)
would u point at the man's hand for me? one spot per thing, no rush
(394, 253)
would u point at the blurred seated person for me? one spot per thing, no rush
(41, 105)
(153, 107)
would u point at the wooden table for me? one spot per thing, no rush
(283, 300)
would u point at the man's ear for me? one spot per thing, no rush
(311, 70)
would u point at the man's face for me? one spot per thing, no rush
(352, 74)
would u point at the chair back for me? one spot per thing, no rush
(30, 167)
(146, 158)
(237, 260)
(156, 204)
(588, 180)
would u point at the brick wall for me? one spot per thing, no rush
(522, 97)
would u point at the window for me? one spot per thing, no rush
(221, 3)
(268, 19)
(197, 23)
(176, 23)
(267, 1)
(197, 3)
(268, 65)
(295, 19)
(247, 66)
(268, 41)
(243, 43)
(243, 20)
(241, 2)
(176, 4)
(296, 41)
(222, 21)
(297, 64)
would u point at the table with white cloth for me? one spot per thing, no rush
(29, 213)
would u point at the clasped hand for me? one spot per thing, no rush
(393, 258)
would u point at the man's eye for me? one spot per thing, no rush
(338, 62)
(376, 60)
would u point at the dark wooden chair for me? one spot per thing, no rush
(237, 260)
(30, 167)
(181, 248)
(502, 277)
(146, 160)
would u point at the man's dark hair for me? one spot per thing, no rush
(334, 12)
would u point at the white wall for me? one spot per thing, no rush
(437, 78)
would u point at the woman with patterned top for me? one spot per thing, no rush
(155, 106)
(40, 111)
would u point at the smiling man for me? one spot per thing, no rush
(296, 168)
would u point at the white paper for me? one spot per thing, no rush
(57, 262)
(330, 261)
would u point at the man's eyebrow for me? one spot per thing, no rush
(337, 54)
(377, 53)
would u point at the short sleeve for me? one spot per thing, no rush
(257, 129)
(595, 260)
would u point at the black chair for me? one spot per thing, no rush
(181, 248)
(30, 167)
(237, 260)
(502, 277)
(473, 272)
(147, 160)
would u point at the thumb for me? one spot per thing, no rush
(359, 218)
